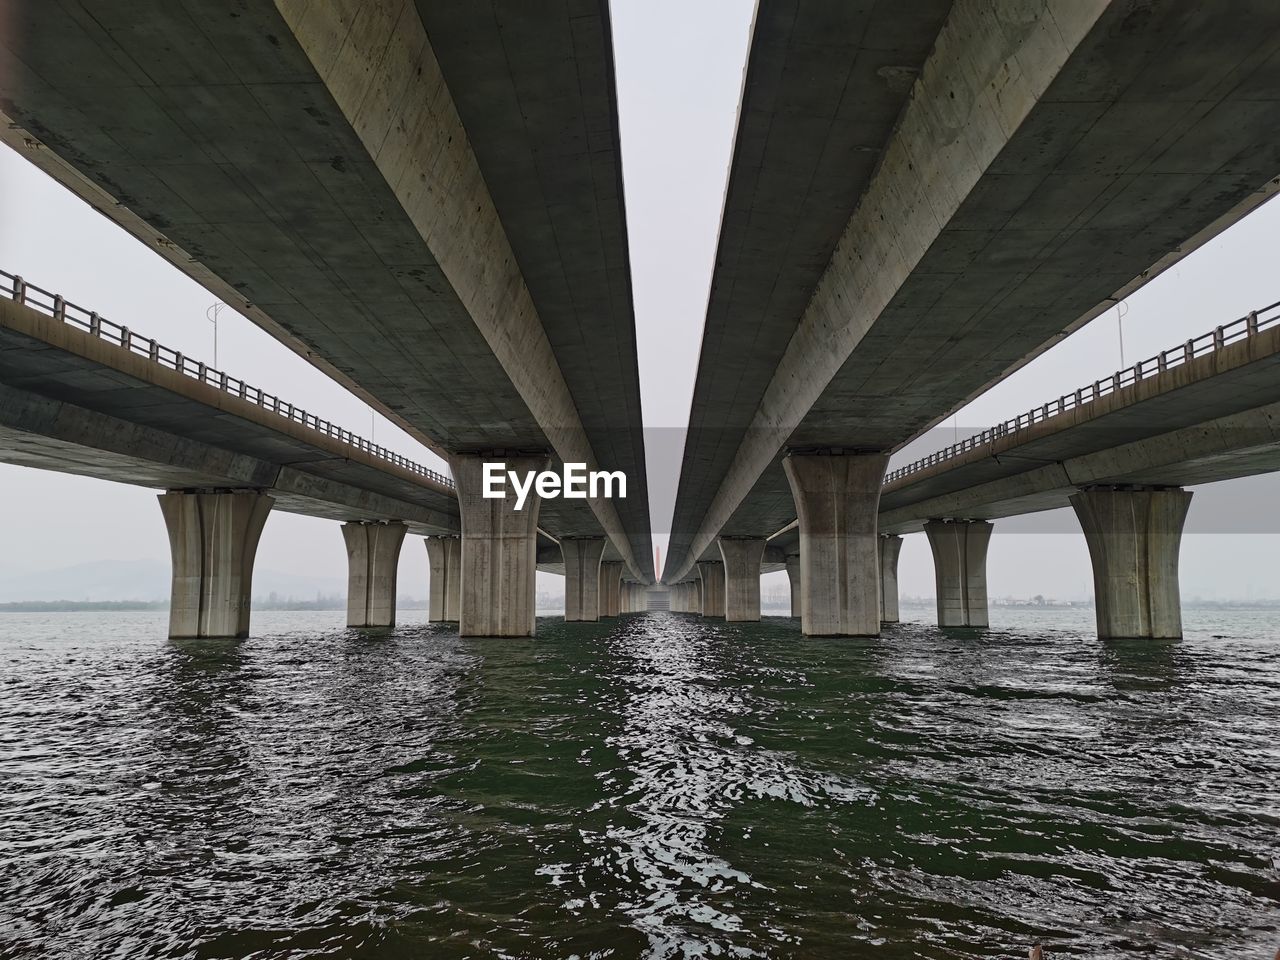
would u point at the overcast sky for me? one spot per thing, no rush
(678, 96)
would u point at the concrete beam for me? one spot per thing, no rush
(837, 499)
(582, 557)
(960, 570)
(890, 548)
(499, 551)
(373, 560)
(444, 556)
(742, 558)
(213, 538)
(1133, 538)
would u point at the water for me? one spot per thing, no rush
(656, 787)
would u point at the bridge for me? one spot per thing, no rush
(922, 199)
(84, 395)
(1118, 451)
(423, 200)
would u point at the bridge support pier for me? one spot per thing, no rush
(711, 577)
(793, 575)
(582, 577)
(1133, 536)
(837, 500)
(610, 588)
(499, 551)
(373, 558)
(960, 570)
(742, 558)
(444, 554)
(213, 538)
(890, 547)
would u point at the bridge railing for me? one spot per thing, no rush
(90, 322)
(1241, 329)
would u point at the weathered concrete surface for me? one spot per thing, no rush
(960, 570)
(499, 552)
(1133, 538)
(709, 594)
(837, 498)
(890, 549)
(793, 577)
(610, 588)
(1051, 157)
(582, 577)
(741, 578)
(213, 539)
(308, 163)
(444, 557)
(373, 559)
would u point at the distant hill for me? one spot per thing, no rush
(142, 580)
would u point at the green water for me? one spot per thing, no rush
(656, 786)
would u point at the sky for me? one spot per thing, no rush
(678, 95)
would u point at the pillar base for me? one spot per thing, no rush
(742, 558)
(610, 588)
(373, 557)
(582, 577)
(890, 548)
(444, 554)
(499, 550)
(213, 538)
(711, 577)
(1133, 536)
(837, 501)
(960, 570)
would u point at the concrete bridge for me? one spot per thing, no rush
(921, 199)
(1118, 451)
(423, 200)
(81, 394)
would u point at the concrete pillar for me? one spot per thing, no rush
(444, 554)
(793, 574)
(373, 558)
(213, 538)
(610, 588)
(742, 558)
(696, 595)
(499, 550)
(582, 577)
(890, 547)
(837, 500)
(711, 577)
(960, 570)
(1133, 537)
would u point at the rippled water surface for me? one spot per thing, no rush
(655, 786)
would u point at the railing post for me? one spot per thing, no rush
(1097, 390)
(179, 363)
(59, 308)
(1189, 351)
(153, 351)
(1251, 324)
(222, 382)
(19, 290)
(1162, 361)
(126, 338)
(1217, 338)
(95, 325)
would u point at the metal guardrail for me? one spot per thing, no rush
(61, 310)
(1241, 329)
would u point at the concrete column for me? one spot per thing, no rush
(890, 547)
(1133, 538)
(711, 576)
(213, 538)
(610, 588)
(742, 558)
(960, 570)
(373, 558)
(837, 500)
(793, 574)
(499, 550)
(582, 577)
(696, 595)
(444, 554)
